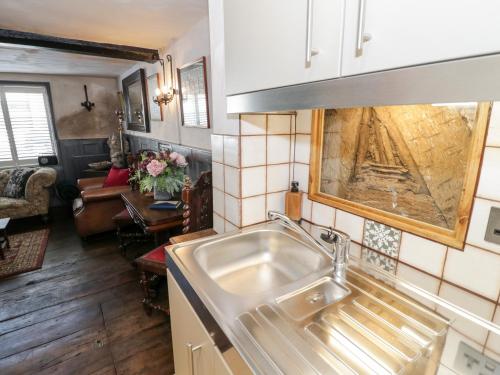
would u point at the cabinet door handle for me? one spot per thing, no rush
(361, 36)
(190, 351)
(310, 52)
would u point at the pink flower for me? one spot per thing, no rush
(155, 167)
(178, 159)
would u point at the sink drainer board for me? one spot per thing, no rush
(324, 329)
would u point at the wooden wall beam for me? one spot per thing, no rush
(79, 46)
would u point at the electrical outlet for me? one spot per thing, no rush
(493, 228)
(469, 361)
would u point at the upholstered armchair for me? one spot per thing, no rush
(94, 210)
(36, 200)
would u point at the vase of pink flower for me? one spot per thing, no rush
(161, 173)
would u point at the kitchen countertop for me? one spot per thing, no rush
(354, 312)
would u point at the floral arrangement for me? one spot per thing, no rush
(163, 172)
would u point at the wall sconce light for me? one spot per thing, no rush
(165, 95)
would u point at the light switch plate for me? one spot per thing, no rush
(471, 362)
(493, 228)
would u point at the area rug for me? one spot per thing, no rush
(25, 254)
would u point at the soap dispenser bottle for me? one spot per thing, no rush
(293, 202)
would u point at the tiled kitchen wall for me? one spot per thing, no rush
(253, 169)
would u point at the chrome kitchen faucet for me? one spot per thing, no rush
(340, 242)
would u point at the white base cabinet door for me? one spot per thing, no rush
(277, 43)
(194, 350)
(412, 32)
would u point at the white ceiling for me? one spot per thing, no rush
(140, 23)
(24, 59)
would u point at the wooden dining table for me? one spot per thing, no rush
(160, 223)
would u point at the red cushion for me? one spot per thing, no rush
(116, 177)
(123, 217)
(156, 255)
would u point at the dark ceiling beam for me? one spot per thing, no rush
(79, 46)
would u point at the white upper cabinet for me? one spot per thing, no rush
(274, 43)
(410, 32)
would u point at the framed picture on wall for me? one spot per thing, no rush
(156, 111)
(135, 95)
(193, 94)
(412, 167)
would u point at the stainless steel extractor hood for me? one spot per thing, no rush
(471, 79)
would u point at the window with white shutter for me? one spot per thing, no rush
(26, 130)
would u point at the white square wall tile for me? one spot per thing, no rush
(278, 177)
(224, 123)
(301, 174)
(489, 182)
(218, 176)
(493, 138)
(322, 214)
(275, 202)
(474, 269)
(278, 149)
(231, 151)
(253, 181)
(292, 148)
(232, 209)
(303, 121)
(423, 254)
(302, 148)
(478, 223)
(471, 303)
(228, 227)
(450, 350)
(253, 151)
(355, 250)
(253, 210)
(493, 342)
(218, 148)
(218, 201)
(294, 124)
(420, 279)
(351, 224)
(443, 370)
(279, 124)
(253, 124)
(306, 207)
(232, 181)
(218, 223)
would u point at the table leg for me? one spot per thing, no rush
(159, 238)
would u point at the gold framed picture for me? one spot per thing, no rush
(412, 167)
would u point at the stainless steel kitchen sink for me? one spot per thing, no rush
(277, 299)
(258, 261)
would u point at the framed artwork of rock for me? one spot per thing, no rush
(413, 167)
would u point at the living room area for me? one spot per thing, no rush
(105, 158)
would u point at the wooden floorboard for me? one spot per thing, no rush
(80, 313)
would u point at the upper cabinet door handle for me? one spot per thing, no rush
(310, 52)
(361, 36)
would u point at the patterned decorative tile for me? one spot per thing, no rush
(384, 262)
(382, 238)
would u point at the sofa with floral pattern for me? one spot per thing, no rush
(36, 197)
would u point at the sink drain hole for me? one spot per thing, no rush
(315, 297)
